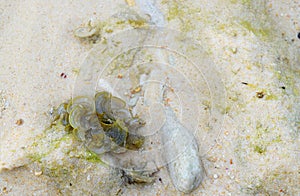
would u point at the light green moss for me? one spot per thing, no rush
(245, 2)
(260, 32)
(178, 10)
(263, 138)
(271, 96)
(260, 149)
(225, 110)
(288, 78)
(56, 140)
(277, 139)
(36, 157)
(55, 170)
(92, 157)
(76, 71)
(137, 23)
(175, 12)
(283, 179)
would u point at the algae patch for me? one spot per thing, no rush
(260, 32)
(279, 181)
(92, 157)
(58, 155)
(185, 14)
(263, 138)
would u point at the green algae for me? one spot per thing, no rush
(260, 149)
(58, 171)
(288, 77)
(271, 96)
(58, 155)
(36, 157)
(55, 150)
(263, 137)
(258, 20)
(175, 12)
(46, 144)
(246, 2)
(260, 32)
(268, 95)
(109, 31)
(180, 11)
(137, 23)
(225, 110)
(282, 178)
(76, 71)
(92, 157)
(243, 2)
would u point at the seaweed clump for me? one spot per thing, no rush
(103, 124)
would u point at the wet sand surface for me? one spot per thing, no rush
(253, 46)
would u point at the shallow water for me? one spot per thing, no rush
(253, 46)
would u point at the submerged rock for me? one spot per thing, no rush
(181, 154)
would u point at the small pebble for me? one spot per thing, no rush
(120, 76)
(298, 35)
(88, 178)
(19, 122)
(260, 94)
(38, 173)
(234, 50)
(216, 176)
(212, 159)
(136, 90)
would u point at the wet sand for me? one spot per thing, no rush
(254, 46)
